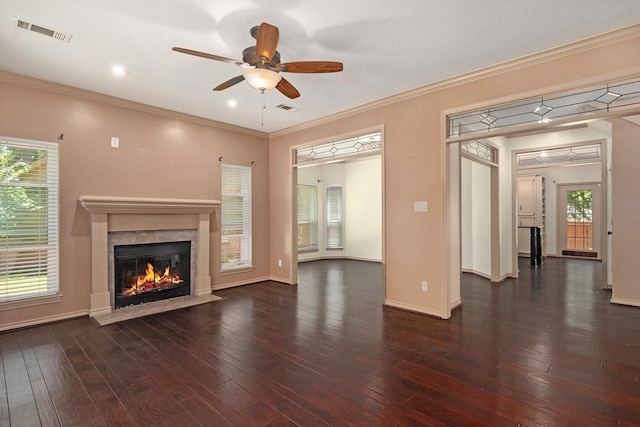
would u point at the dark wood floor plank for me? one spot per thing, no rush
(20, 400)
(4, 404)
(73, 405)
(46, 410)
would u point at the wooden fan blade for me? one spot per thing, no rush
(267, 42)
(229, 83)
(311, 67)
(287, 89)
(206, 55)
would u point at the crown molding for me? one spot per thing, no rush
(601, 40)
(18, 79)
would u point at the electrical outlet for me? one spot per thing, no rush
(279, 263)
(115, 142)
(425, 286)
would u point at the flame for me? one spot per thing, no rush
(152, 280)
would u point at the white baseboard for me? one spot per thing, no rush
(625, 301)
(320, 258)
(240, 283)
(477, 273)
(456, 304)
(282, 280)
(42, 320)
(410, 307)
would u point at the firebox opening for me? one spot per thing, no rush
(151, 272)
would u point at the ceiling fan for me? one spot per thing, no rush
(262, 63)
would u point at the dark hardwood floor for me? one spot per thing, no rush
(548, 349)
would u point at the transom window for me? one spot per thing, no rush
(369, 143)
(544, 109)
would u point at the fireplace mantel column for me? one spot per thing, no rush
(100, 295)
(203, 281)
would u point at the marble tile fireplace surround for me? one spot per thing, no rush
(115, 220)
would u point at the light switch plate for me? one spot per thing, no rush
(421, 206)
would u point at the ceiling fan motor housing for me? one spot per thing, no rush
(250, 57)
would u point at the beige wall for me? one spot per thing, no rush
(415, 248)
(626, 205)
(160, 155)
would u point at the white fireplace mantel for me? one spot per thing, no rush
(115, 213)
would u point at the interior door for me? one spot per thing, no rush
(579, 220)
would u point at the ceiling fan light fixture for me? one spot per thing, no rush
(262, 79)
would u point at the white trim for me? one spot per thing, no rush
(252, 281)
(351, 258)
(236, 270)
(30, 301)
(476, 273)
(281, 280)
(625, 301)
(42, 320)
(414, 308)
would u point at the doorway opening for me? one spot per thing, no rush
(338, 200)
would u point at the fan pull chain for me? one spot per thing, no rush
(262, 111)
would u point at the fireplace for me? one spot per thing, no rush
(151, 272)
(114, 215)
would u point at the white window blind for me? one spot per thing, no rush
(28, 219)
(334, 218)
(307, 217)
(236, 217)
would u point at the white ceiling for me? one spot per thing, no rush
(387, 47)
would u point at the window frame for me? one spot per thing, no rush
(45, 262)
(245, 261)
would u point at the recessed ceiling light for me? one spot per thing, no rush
(232, 103)
(118, 70)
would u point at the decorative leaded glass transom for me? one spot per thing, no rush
(545, 109)
(369, 143)
(569, 155)
(480, 149)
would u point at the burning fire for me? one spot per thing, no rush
(152, 280)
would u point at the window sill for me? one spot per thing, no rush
(307, 251)
(236, 270)
(341, 248)
(28, 302)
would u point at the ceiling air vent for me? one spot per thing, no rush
(286, 107)
(58, 35)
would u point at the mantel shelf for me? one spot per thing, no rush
(124, 205)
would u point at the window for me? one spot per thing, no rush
(307, 217)
(236, 217)
(334, 218)
(28, 219)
